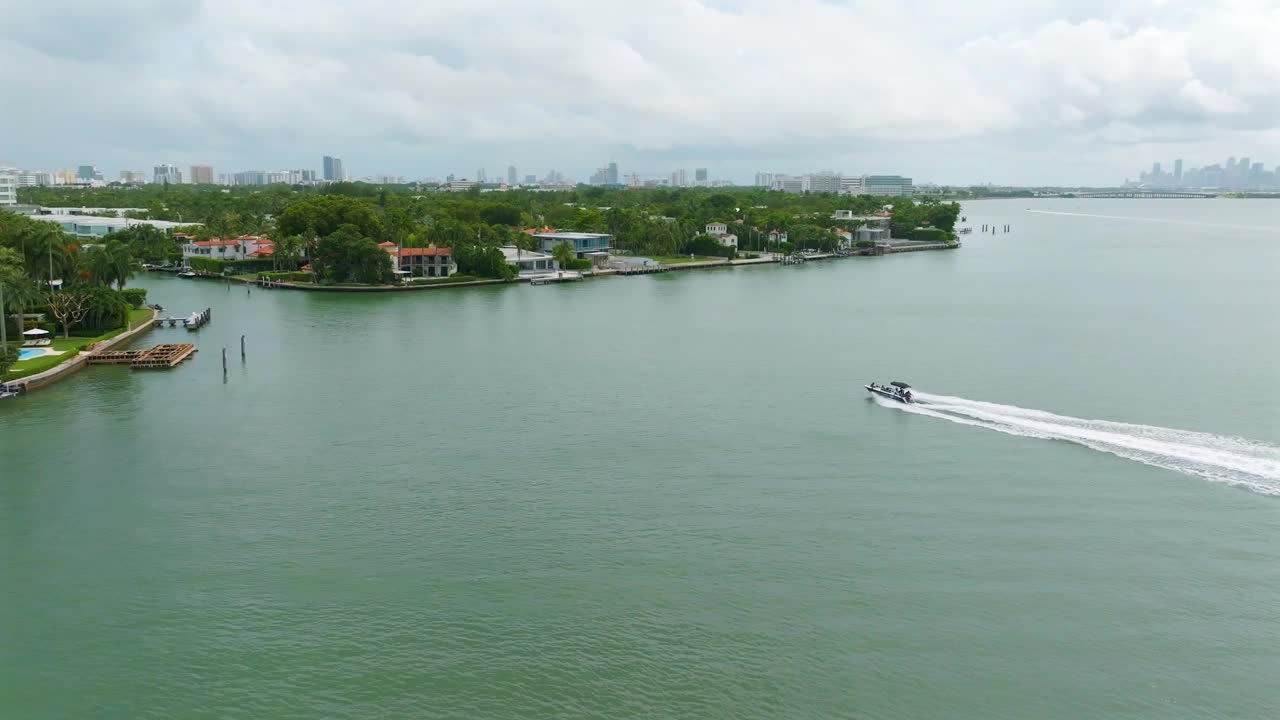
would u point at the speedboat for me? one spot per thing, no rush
(186, 274)
(895, 390)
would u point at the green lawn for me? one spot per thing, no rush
(69, 347)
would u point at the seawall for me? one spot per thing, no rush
(73, 364)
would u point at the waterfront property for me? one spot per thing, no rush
(720, 232)
(530, 262)
(420, 261)
(583, 243)
(88, 227)
(245, 247)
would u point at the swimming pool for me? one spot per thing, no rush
(28, 353)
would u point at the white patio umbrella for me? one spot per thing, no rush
(35, 331)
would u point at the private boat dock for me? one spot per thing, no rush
(160, 356)
(563, 276)
(194, 321)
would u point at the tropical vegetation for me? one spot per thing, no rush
(337, 227)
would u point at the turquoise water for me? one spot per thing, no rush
(28, 353)
(670, 496)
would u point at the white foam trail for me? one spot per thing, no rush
(1219, 458)
(1168, 221)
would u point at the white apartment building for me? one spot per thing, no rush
(8, 186)
(852, 186)
(887, 186)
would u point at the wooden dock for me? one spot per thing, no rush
(160, 356)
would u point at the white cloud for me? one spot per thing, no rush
(944, 91)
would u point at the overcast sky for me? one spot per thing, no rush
(1037, 92)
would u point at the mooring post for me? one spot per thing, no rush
(241, 347)
(224, 361)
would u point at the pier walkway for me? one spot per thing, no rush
(160, 356)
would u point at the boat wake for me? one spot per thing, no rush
(1167, 221)
(1218, 458)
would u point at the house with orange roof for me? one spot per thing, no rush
(411, 262)
(244, 247)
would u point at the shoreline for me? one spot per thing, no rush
(772, 259)
(73, 364)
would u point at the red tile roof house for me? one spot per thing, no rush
(421, 261)
(241, 248)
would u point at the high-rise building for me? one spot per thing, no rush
(1177, 171)
(511, 174)
(339, 174)
(530, 179)
(88, 172)
(887, 185)
(308, 176)
(201, 175)
(8, 186)
(700, 176)
(611, 176)
(35, 178)
(764, 179)
(852, 186)
(824, 182)
(167, 174)
(480, 175)
(249, 177)
(133, 177)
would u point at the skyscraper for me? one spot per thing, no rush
(612, 175)
(338, 173)
(328, 167)
(1177, 171)
(480, 176)
(167, 174)
(88, 172)
(700, 176)
(201, 175)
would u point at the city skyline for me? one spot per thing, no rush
(1234, 174)
(987, 94)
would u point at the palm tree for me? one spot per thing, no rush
(524, 241)
(286, 250)
(120, 260)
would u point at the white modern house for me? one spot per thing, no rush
(89, 227)
(530, 262)
(583, 244)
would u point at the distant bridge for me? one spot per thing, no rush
(1146, 194)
